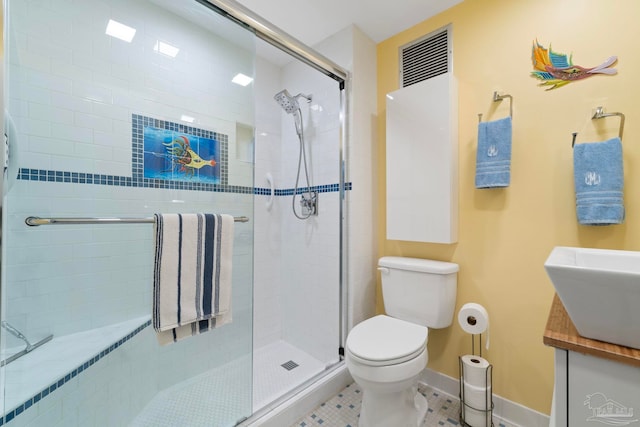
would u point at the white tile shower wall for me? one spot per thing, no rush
(73, 89)
(267, 272)
(296, 261)
(321, 127)
(310, 249)
(63, 279)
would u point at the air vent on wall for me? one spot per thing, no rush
(425, 58)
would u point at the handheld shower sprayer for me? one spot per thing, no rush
(309, 201)
(290, 105)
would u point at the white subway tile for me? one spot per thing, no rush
(72, 133)
(47, 48)
(91, 151)
(92, 121)
(91, 92)
(71, 102)
(49, 113)
(50, 145)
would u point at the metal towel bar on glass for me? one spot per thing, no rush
(35, 221)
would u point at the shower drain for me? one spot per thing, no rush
(289, 365)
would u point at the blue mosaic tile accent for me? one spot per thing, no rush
(9, 416)
(127, 181)
(137, 178)
(318, 188)
(330, 188)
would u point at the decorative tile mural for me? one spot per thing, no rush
(165, 151)
(179, 156)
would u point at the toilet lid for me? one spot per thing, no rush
(386, 339)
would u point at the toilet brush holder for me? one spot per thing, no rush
(476, 393)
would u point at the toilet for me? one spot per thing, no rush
(386, 354)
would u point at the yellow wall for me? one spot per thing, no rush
(505, 235)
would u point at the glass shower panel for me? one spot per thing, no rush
(120, 109)
(297, 262)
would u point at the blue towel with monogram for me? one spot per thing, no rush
(598, 176)
(493, 158)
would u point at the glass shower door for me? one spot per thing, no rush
(120, 109)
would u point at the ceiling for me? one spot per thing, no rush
(311, 21)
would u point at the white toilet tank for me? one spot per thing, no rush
(420, 291)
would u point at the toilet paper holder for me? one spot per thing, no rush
(476, 392)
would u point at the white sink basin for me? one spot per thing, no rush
(600, 289)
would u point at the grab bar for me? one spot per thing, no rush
(35, 221)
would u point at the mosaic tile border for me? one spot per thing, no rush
(9, 416)
(43, 175)
(137, 178)
(125, 181)
(329, 188)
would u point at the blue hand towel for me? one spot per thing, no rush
(598, 176)
(192, 274)
(493, 159)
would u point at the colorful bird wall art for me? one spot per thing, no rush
(557, 69)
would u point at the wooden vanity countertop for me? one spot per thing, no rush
(561, 333)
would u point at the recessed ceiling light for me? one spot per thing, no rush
(166, 49)
(389, 96)
(242, 80)
(186, 118)
(120, 31)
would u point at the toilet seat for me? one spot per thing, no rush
(384, 340)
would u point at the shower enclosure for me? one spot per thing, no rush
(119, 109)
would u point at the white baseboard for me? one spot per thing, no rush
(503, 409)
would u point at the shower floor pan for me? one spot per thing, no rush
(208, 399)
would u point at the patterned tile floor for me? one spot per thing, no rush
(343, 410)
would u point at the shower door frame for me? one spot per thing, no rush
(283, 41)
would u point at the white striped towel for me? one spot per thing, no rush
(192, 274)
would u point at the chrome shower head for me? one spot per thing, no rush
(286, 101)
